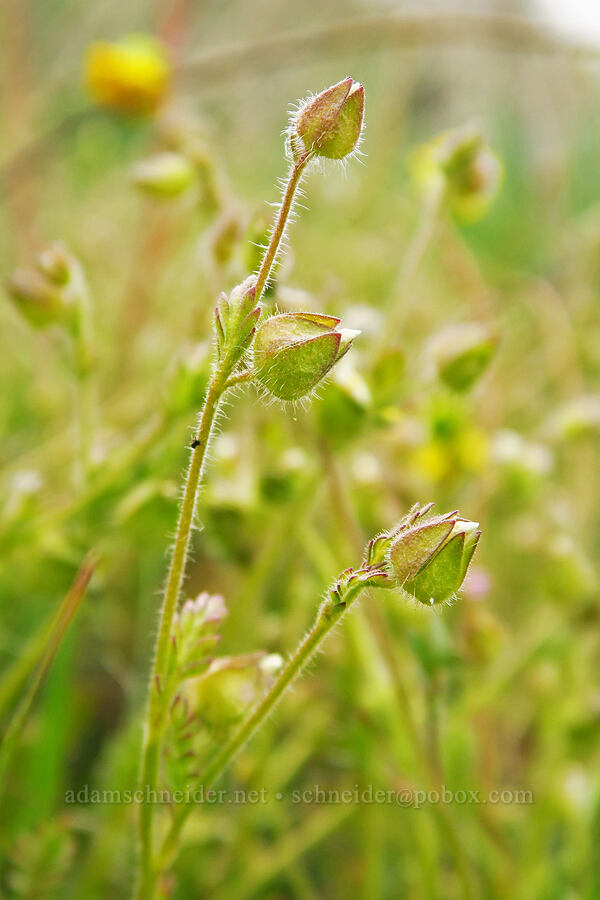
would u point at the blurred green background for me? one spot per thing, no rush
(498, 691)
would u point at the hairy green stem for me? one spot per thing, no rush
(156, 707)
(223, 378)
(280, 223)
(330, 612)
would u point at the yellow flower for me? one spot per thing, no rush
(131, 76)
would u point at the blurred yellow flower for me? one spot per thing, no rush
(438, 460)
(132, 75)
(472, 450)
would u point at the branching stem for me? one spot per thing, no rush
(330, 612)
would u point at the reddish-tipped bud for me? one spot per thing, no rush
(330, 124)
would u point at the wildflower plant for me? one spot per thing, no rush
(292, 355)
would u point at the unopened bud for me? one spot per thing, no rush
(330, 124)
(235, 320)
(470, 171)
(294, 351)
(52, 292)
(130, 76)
(224, 237)
(40, 302)
(164, 174)
(195, 631)
(430, 556)
(462, 353)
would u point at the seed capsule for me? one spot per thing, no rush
(430, 556)
(294, 351)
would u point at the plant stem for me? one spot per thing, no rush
(156, 707)
(222, 380)
(280, 224)
(240, 378)
(84, 424)
(330, 612)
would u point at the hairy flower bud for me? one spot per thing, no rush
(462, 353)
(294, 351)
(130, 76)
(330, 124)
(430, 555)
(235, 320)
(164, 174)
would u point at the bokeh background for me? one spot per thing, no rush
(498, 691)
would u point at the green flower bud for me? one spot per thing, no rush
(164, 174)
(40, 301)
(462, 353)
(294, 351)
(471, 173)
(330, 124)
(430, 556)
(235, 321)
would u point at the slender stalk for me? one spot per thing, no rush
(427, 763)
(84, 424)
(223, 378)
(280, 224)
(156, 708)
(330, 612)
